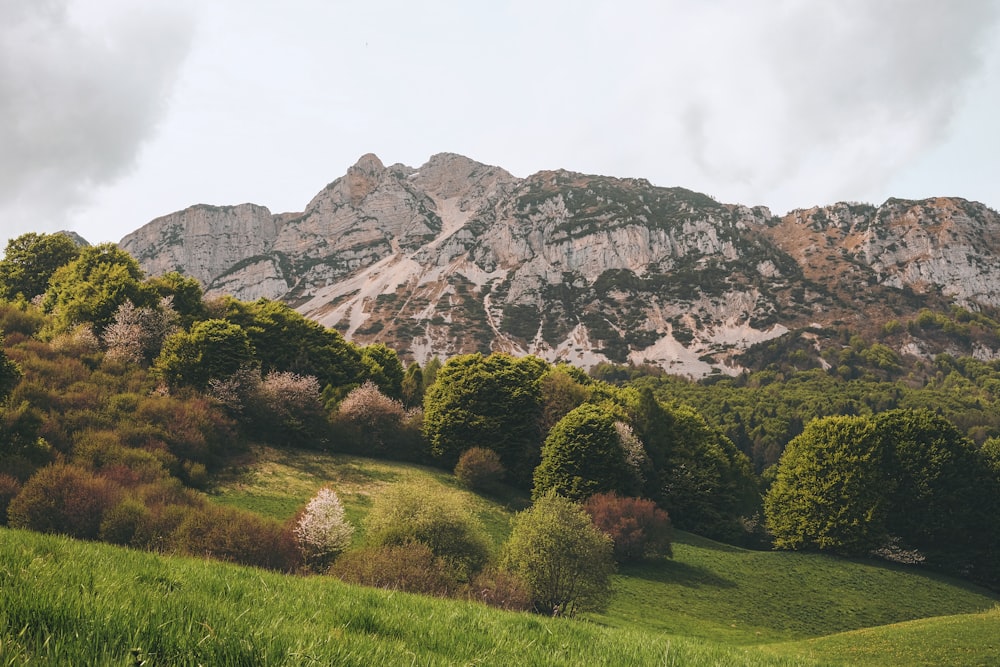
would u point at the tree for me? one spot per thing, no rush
(29, 262)
(561, 393)
(827, 491)
(284, 340)
(583, 455)
(565, 560)
(10, 373)
(137, 334)
(479, 469)
(212, 349)
(903, 477)
(383, 367)
(413, 386)
(376, 420)
(90, 288)
(185, 294)
(323, 532)
(491, 402)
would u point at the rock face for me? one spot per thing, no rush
(457, 256)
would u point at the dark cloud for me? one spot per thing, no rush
(79, 93)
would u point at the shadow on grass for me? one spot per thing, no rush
(677, 573)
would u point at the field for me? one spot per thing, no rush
(66, 602)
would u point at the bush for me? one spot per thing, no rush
(638, 528)
(237, 536)
(322, 532)
(63, 499)
(564, 559)
(375, 419)
(410, 513)
(122, 522)
(479, 469)
(410, 567)
(500, 589)
(9, 488)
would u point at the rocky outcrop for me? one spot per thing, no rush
(457, 256)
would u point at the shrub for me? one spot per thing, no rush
(375, 418)
(322, 532)
(9, 488)
(410, 567)
(500, 589)
(564, 559)
(63, 499)
(479, 469)
(638, 528)
(410, 513)
(122, 522)
(237, 536)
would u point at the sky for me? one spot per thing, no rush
(114, 112)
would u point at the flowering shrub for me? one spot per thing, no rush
(323, 532)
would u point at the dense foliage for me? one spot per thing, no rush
(895, 480)
(566, 561)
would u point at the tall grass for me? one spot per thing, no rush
(64, 602)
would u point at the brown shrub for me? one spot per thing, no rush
(237, 536)
(637, 526)
(64, 499)
(410, 567)
(500, 589)
(480, 469)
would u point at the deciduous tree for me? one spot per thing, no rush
(565, 560)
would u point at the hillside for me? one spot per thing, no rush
(456, 256)
(66, 601)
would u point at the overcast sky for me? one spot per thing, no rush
(114, 112)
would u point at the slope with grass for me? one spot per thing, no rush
(707, 590)
(64, 602)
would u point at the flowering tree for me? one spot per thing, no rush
(323, 531)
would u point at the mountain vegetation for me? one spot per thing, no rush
(124, 398)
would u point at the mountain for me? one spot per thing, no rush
(457, 256)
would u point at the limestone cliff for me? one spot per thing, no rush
(457, 256)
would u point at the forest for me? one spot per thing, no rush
(124, 396)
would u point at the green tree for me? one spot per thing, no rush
(382, 366)
(565, 560)
(583, 455)
(413, 386)
(90, 289)
(491, 402)
(284, 340)
(853, 484)
(10, 373)
(185, 294)
(29, 262)
(827, 491)
(213, 349)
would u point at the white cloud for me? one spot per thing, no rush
(80, 90)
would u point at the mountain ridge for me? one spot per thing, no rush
(457, 256)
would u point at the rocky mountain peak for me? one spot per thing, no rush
(457, 256)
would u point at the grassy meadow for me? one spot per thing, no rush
(66, 602)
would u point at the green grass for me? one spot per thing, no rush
(965, 639)
(719, 592)
(278, 482)
(64, 602)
